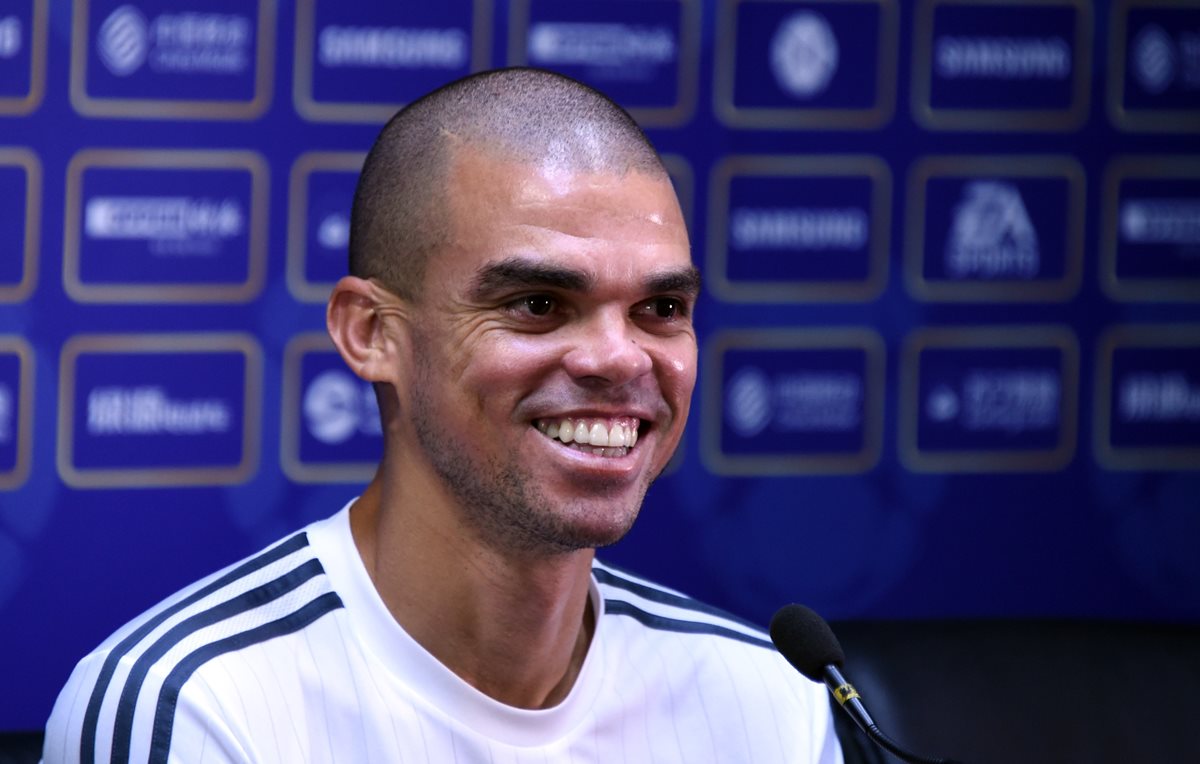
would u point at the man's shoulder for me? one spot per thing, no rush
(137, 675)
(658, 608)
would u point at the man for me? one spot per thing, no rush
(521, 299)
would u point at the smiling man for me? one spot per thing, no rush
(521, 297)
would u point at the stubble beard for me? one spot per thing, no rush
(502, 501)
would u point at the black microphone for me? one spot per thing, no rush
(808, 643)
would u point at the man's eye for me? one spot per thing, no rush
(666, 307)
(537, 305)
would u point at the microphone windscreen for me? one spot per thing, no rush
(805, 640)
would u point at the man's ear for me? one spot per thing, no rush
(366, 342)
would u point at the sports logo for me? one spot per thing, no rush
(804, 54)
(1161, 221)
(748, 402)
(123, 41)
(11, 36)
(1153, 59)
(6, 414)
(334, 231)
(992, 235)
(612, 46)
(338, 406)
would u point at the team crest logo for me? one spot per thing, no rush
(992, 235)
(1153, 59)
(748, 402)
(123, 41)
(804, 54)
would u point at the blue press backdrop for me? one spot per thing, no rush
(950, 335)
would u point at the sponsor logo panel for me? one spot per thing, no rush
(360, 62)
(645, 55)
(995, 229)
(22, 55)
(16, 411)
(321, 194)
(21, 190)
(981, 65)
(1154, 71)
(331, 427)
(781, 402)
(201, 59)
(159, 410)
(1150, 235)
(799, 228)
(817, 65)
(1148, 398)
(989, 399)
(165, 226)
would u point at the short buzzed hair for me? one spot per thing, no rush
(525, 115)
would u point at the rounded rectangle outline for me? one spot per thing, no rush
(995, 291)
(808, 338)
(37, 65)
(680, 171)
(199, 160)
(179, 344)
(18, 346)
(674, 115)
(305, 165)
(831, 165)
(994, 120)
(1137, 336)
(800, 118)
(161, 108)
(1041, 336)
(11, 156)
(357, 112)
(1141, 120)
(289, 441)
(1143, 167)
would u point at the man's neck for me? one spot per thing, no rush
(515, 627)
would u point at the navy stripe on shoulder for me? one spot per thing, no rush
(91, 717)
(248, 600)
(661, 623)
(168, 697)
(655, 594)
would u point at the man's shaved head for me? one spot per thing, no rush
(524, 115)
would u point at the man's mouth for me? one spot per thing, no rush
(600, 437)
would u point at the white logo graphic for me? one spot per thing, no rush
(123, 41)
(334, 231)
(942, 404)
(162, 217)
(748, 402)
(10, 37)
(1161, 221)
(1159, 397)
(6, 414)
(800, 228)
(1003, 58)
(392, 47)
(149, 411)
(992, 235)
(804, 54)
(1013, 401)
(602, 45)
(1153, 59)
(337, 406)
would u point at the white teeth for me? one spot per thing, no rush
(622, 434)
(616, 436)
(598, 435)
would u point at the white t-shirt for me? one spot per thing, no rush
(291, 656)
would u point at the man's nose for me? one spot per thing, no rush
(607, 349)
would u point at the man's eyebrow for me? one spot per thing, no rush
(518, 273)
(685, 280)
